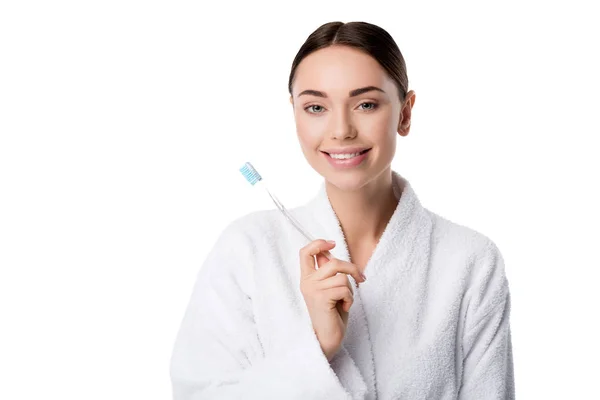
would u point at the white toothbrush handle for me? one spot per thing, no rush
(293, 220)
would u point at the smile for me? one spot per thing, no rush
(349, 160)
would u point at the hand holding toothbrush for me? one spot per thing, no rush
(328, 293)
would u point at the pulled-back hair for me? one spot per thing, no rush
(369, 38)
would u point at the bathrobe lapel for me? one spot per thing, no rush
(402, 249)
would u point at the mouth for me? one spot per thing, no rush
(345, 161)
(346, 156)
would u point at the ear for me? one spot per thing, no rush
(406, 113)
(292, 100)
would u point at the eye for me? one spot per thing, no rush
(373, 106)
(316, 109)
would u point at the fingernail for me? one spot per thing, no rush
(363, 277)
(331, 241)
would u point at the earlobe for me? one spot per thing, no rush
(403, 131)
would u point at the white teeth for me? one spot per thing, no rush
(344, 156)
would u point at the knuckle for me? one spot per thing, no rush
(341, 279)
(348, 284)
(312, 247)
(317, 242)
(302, 251)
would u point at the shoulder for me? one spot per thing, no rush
(254, 225)
(452, 233)
(479, 256)
(247, 235)
(238, 247)
(454, 237)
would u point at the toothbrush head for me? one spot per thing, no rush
(250, 173)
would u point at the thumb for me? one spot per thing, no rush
(308, 254)
(322, 260)
(324, 257)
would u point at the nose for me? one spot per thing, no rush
(342, 126)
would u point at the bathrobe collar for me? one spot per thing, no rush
(409, 225)
(402, 251)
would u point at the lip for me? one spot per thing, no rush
(346, 150)
(346, 163)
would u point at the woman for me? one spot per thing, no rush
(431, 321)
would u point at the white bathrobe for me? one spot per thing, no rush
(430, 322)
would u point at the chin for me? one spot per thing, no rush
(353, 179)
(347, 181)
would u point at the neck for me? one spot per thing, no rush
(364, 213)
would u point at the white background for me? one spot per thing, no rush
(123, 125)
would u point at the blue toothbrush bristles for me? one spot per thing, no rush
(250, 173)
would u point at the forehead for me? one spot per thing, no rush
(339, 69)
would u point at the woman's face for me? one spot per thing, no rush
(330, 118)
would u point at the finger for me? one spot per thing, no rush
(339, 280)
(340, 293)
(307, 253)
(345, 281)
(335, 266)
(322, 259)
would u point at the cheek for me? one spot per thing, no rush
(389, 150)
(379, 128)
(309, 132)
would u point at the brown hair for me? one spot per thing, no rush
(371, 39)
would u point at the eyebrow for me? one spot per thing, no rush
(352, 93)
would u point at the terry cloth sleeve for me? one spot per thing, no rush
(487, 348)
(218, 353)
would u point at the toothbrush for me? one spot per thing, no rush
(254, 178)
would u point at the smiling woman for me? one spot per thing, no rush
(349, 89)
(271, 317)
